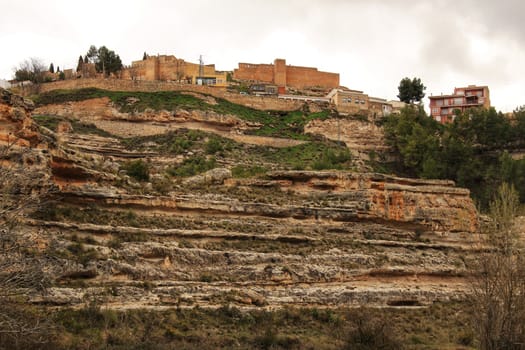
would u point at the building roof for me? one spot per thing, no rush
(473, 87)
(377, 99)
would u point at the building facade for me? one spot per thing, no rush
(397, 106)
(443, 107)
(171, 68)
(284, 75)
(349, 101)
(379, 107)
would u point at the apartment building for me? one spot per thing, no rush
(443, 107)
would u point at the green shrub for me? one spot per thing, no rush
(331, 159)
(180, 145)
(137, 169)
(162, 185)
(213, 146)
(192, 166)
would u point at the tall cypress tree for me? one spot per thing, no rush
(80, 63)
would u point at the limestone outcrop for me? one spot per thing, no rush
(362, 137)
(281, 238)
(16, 125)
(24, 151)
(437, 203)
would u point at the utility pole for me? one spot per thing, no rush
(201, 69)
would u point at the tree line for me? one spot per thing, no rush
(106, 61)
(474, 150)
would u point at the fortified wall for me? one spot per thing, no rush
(282, 75)
(256, 102)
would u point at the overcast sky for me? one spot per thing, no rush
(372, 44)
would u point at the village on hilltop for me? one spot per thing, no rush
(277, 80)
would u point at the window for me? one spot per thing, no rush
(435, 110)
(439, 103)
(444, 111)
(458, 100)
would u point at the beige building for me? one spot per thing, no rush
(379, 107)
(171, 68)
(397, 106)
(349, 101)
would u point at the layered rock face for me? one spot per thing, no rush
(298, 239)
(284, 238)
(361, 137)
(16, 125)
(434, 203)
(103, 109)
(24, 152)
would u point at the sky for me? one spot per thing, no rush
(372, 44)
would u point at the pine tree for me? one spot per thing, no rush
(145, 57)
(411, 91)
(51, 68)
(80, 63)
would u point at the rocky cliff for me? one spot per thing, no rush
(269, 239)
(24, 151)
(16, 125)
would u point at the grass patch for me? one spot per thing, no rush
(288, 125)
(243, 171)
(192, 166)
(181, 141)
(441, 326)
(311, 155)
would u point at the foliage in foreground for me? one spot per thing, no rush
(499, 283)
(440, 326)
(21, 263)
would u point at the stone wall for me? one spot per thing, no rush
(256, 72)
(281, 74)
(309, 77)
(256, 102)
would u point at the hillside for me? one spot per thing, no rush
(177, 200)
